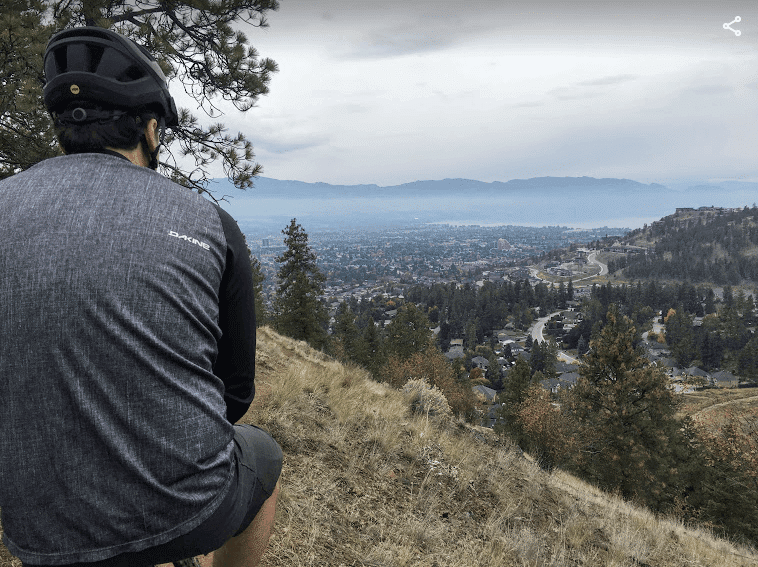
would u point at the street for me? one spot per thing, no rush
(538, 337)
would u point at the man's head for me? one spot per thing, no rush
(105, 91)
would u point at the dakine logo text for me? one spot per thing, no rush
(189, 239)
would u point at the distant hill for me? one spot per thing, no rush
(708, 244)
(541, 201)
(289, 188)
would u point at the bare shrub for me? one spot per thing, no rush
(426, 399)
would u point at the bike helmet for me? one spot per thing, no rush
(99, 66)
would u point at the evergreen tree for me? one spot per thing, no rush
(408, 333)
(710, 302)
(494, 372)
(299, 311)
(748, 315)
(261, 317)
(515, 387)
(747, 360)
(544, 358)
(582, 346)
(26, 131)
(471, 341)
(680, 335)
(626, 417)
(198, 44)
(563, 296)
(371, 356)
(349, 341)
(728, 296)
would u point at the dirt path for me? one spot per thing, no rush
(726, 403)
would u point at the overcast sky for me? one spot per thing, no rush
(389, 92)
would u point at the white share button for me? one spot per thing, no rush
(729, 26)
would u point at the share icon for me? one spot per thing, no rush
(729, 26)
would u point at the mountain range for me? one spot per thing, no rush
(541, 201)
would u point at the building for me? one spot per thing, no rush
(503, 244)
(724, 379)
(480, 362)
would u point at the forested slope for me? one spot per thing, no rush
(718, 246)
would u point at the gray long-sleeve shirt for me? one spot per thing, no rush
(127, 349)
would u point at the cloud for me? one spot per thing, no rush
(394, 43)
(389, 92)
(274, 146)
(611, 80)
(569, 93)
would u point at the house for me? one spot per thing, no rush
(562, 366)
(568, 380)
(572, 317)
(724, 379)
(552, 385)
(565, 381)
(527, 356)
(695, 372)
(492, 415)
(488, 394)
(454, 352)
(669, 366)
(480, 362)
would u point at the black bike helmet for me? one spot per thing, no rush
(100, 66)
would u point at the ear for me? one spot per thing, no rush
(152, 135)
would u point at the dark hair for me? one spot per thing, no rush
(122, 131)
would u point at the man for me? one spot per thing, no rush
(127, 338)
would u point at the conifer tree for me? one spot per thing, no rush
(515, 387)
(710, 302)
(544, 358)
(582, 346)
(626, 417)
(371, 356)
(298, 308)
(408, 333)
(258, 277)
(198, 44)
(349, 343)
(680, 336)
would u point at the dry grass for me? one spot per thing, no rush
(700, 401)
(367, 483)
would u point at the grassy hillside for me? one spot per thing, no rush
(367, 483)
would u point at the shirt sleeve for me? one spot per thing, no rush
(235, 364)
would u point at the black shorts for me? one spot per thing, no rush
(258, 463)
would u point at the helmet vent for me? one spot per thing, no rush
(61, 62)
(132, 73)
(95, 55)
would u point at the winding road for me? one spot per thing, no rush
(538, 337)
(591, 259)
(537, 330)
